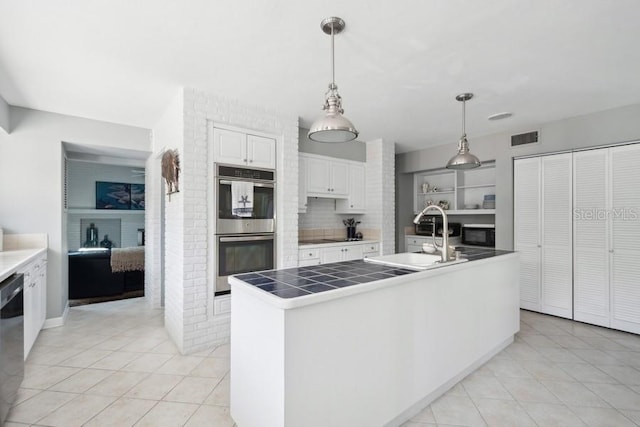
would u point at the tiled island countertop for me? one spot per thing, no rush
(306, 281)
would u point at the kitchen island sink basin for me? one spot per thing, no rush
(413, 260)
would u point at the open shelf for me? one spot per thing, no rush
(477, 186)
(108, 212)
(463, 187)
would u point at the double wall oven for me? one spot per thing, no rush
(245, 222)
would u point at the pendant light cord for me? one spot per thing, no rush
(464, 114)
(333, 59)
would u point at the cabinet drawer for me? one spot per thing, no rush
(304, 254)
(417, 240)
(371, 247)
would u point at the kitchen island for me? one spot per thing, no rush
(361, 344)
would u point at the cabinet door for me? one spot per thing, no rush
(302, 184)
(333, 254)
(318, 176)
(43, 293)
(261, 152)
(591, 237)
(339, 178)
(353, 252)
(229, 147)
(625, 237)
(526, 182)
(557, 241)
(355, 202)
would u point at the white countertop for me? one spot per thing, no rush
(12, 261)
(330, 244)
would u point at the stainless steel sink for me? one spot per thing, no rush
(413, 261)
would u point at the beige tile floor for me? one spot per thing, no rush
(556, 373)
(112, 364)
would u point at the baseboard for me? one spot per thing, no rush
(427, 400)
(54, 322)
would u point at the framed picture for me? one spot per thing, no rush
(113, 195)
(137, 197)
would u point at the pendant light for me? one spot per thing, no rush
(333, 126)
(464, 159)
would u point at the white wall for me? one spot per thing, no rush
(601, 128)
(168, 133)
(31, 173)
(381, 193)
(4, 116)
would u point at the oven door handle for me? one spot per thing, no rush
(245, 238)
(255, 184)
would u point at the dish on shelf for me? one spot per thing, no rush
(472, 206)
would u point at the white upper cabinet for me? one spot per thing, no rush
(238, 148)
(302, 184)
(327, 177)
(356, 202)
(591, 236)
(261, 152)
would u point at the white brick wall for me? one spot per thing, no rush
(381, 192)
(190, 310)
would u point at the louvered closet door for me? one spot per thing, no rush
(625, 226)
(557, 242)
(590, 237)
(526, 183)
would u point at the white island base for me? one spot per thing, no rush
(367, 355)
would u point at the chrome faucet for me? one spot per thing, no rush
(444, 249)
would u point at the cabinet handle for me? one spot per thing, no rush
(611, 251)
(328, 189)
(251, 161)
(351, 205)
(310, 254)
(244, 160)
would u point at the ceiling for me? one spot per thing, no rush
(399, 64)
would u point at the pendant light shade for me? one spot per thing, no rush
(333, 126)
(464, 159)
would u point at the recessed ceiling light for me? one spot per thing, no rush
(500, 116)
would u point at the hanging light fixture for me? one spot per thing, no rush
(464, 159)
(333, 126)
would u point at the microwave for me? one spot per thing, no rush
(479, 235)
(426, 225)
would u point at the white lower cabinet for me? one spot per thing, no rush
(341, 253)
(414, 243)
(35, 300)
(308, 257)
(327, 254)
(370, 249)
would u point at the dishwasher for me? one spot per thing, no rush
(11, 341)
